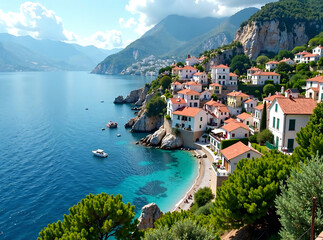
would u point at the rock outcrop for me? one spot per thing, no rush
(149, 215)
(118, 100)
(171, 141)
(157, 136)
(137, 96)
(271, 36)
(143, 123)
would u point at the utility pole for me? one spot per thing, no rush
(313, 217)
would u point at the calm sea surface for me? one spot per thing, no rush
(46, 138)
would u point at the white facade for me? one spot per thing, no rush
(186, 73)
(193, 86)
(176, 86)
(288, 61)
(195, 123)
(314, 88)
(173, 104)
(249, 105)
(248, 121)
(271, 65)
(251, 71)
(309, 58)
(261, 78)
(191, 61)
(192, 99)
(220, 74)
(318, 50)
(205, 96)
(218, 112)
(233, 79)
(201, 77)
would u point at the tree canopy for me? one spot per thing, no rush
(284, 54)
(165, 82)
(269, 88)
(265, 136)
(284, 67)
(241, 63)
(248, 195)
(95, 217)
(262, 59)
(156, 106)
(294, 205)
(203, 196)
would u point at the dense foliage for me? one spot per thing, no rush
(265, 136)
(263, 121)
(284, 54)
(165, 82)
(262, 59)
(156, 106)
(269, 89)
(241, 63)
(95, 217)
(203, 196)
(294, 205)
(248, 195)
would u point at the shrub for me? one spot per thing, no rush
(253, 138)
(176, 131)
(167, 117)
(203, 196)
(265, 136)
(156, 106)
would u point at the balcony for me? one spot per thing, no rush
(218, 136)
(221, 171)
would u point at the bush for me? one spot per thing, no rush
(229, 142)
(205, 210)
(165, 82)
(176, 131)
(167, 117)
(214, 97)
(265, 136)
(269, 88)
(253, 138)
(203, 196)
(156, 106)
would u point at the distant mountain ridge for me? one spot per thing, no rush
(25, 53)
(177, 36)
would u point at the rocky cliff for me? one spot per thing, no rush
(271, 36)
(149, 215)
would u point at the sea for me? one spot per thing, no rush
(46, 139)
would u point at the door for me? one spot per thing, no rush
(290, 145)
(226, 165)
(277, 141)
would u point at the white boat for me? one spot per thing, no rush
(100, 153)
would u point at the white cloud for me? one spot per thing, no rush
(131, 22)
(152, 11)
(107, 40)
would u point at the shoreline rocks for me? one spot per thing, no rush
(149, 215)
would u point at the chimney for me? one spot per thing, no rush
(188, 56)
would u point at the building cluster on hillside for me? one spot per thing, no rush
(235, 116)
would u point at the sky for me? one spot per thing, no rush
(104, 23)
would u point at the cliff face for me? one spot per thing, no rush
(271, 36)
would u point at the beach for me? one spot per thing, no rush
(206, 178)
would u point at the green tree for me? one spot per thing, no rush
(284, 67)
(214, 97)
(294, 205)
(241, 63)
(264, 136)
(262, 59)
(203, 196)
(263, 121)
(165, 69)
(298, 49)
(165, 82)
(248, 195)
(180, 64)
(284, 54)
(199, 67)
(184, 230)
(269, 88)
(320, 62)
(302, 67)
(95, 217)
(156, 106)
(310, 137)
(312, 64)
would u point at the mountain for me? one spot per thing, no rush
(281, 25)
(176, 36)
(25, 53)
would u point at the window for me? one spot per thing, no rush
(248, 155)
(245, 135)
(189, 119)
(274, 120)
(233, 134)
(277, 123)
(277, 141)
(200, 126)
(248, 123)
(192, 97)
(290, 145)
(291, 124)
(177, 117)
(276, 107)
(201, 119)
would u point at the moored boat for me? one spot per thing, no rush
(111, 124)
(100, 153)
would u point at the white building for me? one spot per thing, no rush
(173, 104)
(191, 61)
(186, 73)
(257, 116)
(293, 92)
(271, 98)
(271, 65)
(191, 97)
(193, 86)
(220, 74)
(233, 79)
(191, 119)
(201, 77)
(245, 118)
(234, 153)
(314, 88)
(251, 71)
(299, 56)
(287, 116)
(249, 105)
(176, 86)
(288, 61)
(205, 96)
(318, 50)
(309, 58)
(218, 112)
(260, 78)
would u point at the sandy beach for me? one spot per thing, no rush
(205, 178)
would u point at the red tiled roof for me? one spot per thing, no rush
(220, 66)
(215, 85)
(302, 53)
(177, 101)
(297, 106)
(244, 116)
(191, 58)
(284, 60)
(315, 89)
(189, 92)
(214, 103)
(265, 74)
(176, 83)
(191, 83)
(272, 62)
(234, 125)
(231, 120)
(237, 94)
(202, 58)
(249, 100)
(235, 150)
(254, 69)
(272, 97)
(310, 55)
(187, 111)
(188, 68)
(233, 75)
(315, 79)
(199, 73)
(177, 68)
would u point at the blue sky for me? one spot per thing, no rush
(104, 23)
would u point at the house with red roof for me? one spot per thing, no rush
(318, 50)
(271, 65)
(191, 97)
(186, 73)
(234, 153)
(193, 86)
(215, 88)
(251, 71)
(173, 104)
(258, 115)
(175, 70)
(233, 79)
(176, 86)
(287, 61)
(245, 118)
(299, 56)
(249, 105)
(201, 78)
(307, 58)
(191, 61)
(218, 112)
(314, 88)
(271, 98)
(235, 101)
(190, 119)
(260, 78)
(205, 96)
(287, 117)
(220, 74)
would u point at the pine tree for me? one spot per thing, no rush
(294, 205)
(263, 123)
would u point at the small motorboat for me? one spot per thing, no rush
(118, 135)
(102, 101)
(102, 129)
(100, 153)
(86, 108)
(111, 124)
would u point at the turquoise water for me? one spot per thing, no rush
(46, 138)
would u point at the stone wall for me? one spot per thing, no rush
(220, 180)
(189, 137)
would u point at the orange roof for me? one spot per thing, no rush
(233, 75)
(244, 116)
(191, 58)
(310, 55)
(176, 83)
(315, 89)
(237, 94)
(177, 101)
(202, 58)
(249, 100)
(284, 60)
(177, 68)
(188, 68)
(302, 53)
(272, 97)
(234, 125)
(214, 103)
(187, 111)
(215, 85)
(191, 83)
(315, 79)
(265, 74)
(199, 73)
(220, 66)
(272, 62)
(253, 69)
(231, 120)
(295, 106)
(235, 150)
(189, 92)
